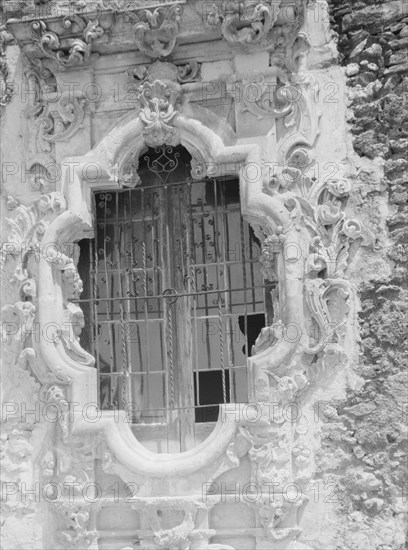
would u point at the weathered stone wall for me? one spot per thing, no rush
(366, 438)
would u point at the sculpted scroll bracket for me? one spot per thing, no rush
(72, 47)
(275, 25)
(187, 72)
(246, 22)
(156, 30)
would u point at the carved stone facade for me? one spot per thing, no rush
(253, 90)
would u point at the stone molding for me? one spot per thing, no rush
(69, 38)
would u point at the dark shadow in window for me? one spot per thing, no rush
(255, 323)
(210, 392)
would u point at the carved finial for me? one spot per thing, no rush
(158, 101)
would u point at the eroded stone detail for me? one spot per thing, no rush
(64, 51)
(275, 102)
(27, 224)
(6, 86)
(59, 121)
(159, 101)
(369, 423)
(156, 30)
(245, 22)
(188, 72)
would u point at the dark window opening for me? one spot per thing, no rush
(251, 327)
(208, 392)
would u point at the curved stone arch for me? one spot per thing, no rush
(99, 169)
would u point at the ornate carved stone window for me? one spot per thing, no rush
(174, 295)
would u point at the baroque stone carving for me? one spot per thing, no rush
(27, 225)
(188, 72)
(67, 468)
(245, 22)
(277, 101)
(272, 467)
(71, 50)
(40, 87)
(159, 101)
(59, 121)
(175, 538)
(320, 233)
(319, 206)
(75, 517)
(156, 30)
(6, 86)
(294, 208)
(25, 232)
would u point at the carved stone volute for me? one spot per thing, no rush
(245, 22)
(73, 49)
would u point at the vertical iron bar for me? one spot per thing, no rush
(109, 306)
(145, 301)
(93, 254)
(228, 307)
(163, 245)
(241, 221)
(123, 323)
(192, 274)
(204, 268)
(227, 273)
(139, 380)
(251, 267)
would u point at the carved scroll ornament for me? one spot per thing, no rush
(316, 208)
(277, 101)
(245, 22)
(187, 72)
(59, 121)
(67, 51)
(159, 101)
(26, 228)
(156, 30)
(26, 224)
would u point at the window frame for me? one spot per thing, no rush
(98, 170)
(185, 433)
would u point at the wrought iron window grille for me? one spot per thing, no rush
(174, 294)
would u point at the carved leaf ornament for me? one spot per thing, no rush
(158, 102)
(246, 22)
(67, 51)
(156, 31)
